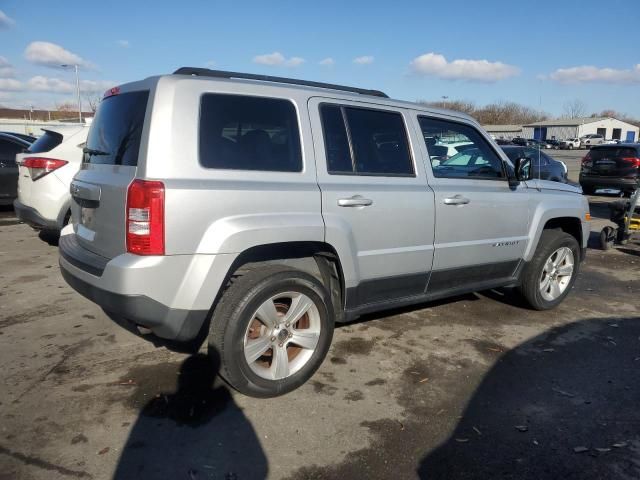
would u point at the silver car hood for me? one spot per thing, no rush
(549, 185)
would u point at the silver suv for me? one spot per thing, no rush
(259, 211)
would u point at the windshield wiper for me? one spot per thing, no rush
(92, 151)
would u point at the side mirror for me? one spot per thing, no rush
(521, 171)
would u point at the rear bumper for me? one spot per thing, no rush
(169, 295)
(165, 322)
(31, 217)
(609, 182)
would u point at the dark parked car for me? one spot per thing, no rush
(523, 142)
(10, 145)
(555, 144)
(543, 166)
(611, 166)
(502, 141)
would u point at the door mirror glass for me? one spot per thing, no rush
(523, 169)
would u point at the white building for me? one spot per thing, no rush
(506, 132)
(610, 128)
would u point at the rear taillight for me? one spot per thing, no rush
(39, 166)
(586, 162)
(145, 218)
(633, 161)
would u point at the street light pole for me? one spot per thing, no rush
(77, 90)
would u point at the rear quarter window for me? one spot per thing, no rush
(240, 132)
(114, 137)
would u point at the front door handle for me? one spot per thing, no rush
(456, 200)
(355, 201)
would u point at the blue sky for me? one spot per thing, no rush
(541, 53)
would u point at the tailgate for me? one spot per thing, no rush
(99, 189)
(613, 162)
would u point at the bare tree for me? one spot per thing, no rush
(92, 99)
(66, 107)
(494, 113)
(574, 109)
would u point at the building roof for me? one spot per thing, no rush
(502, 128)
(568, 122)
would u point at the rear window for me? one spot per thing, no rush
(249, 133)
(614, 152)
(48, 141)
(114, 137)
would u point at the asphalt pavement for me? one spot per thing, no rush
(477, 386)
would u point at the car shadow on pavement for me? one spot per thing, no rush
(561, 405)
(194, 432)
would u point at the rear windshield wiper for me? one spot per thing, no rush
(92, 151)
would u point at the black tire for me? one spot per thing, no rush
(247, 291)
(607, 236)
(570, 147)
(550, 241)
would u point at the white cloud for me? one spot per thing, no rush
(591, 74)
(6, 21)
(10, 84)
(364, 60)
(56, 85)
(277, 59)
(433, 64)
(327, 62)
(52, 55)
(123, 43)
(6, 69)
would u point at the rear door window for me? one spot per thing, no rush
(47, 142)
(364, 141)
(114, 137)
(249, 133)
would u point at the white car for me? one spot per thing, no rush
(591, 139)
(44, 177)
(570, 143)
(444, 151)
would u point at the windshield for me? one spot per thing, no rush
(114, 138)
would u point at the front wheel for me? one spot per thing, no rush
(271, 330)
(550, 275)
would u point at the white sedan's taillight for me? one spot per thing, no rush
(39, 166)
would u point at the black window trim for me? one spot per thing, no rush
(504, 178)
(268, 97)
(354, 173)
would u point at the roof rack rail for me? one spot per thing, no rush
(205, 72)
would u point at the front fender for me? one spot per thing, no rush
(549, 209)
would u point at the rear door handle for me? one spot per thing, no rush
(456, 200)
(355, 201)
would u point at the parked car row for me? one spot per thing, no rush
(586, 141)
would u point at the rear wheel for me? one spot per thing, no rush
(271, 329)
(550, 275)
